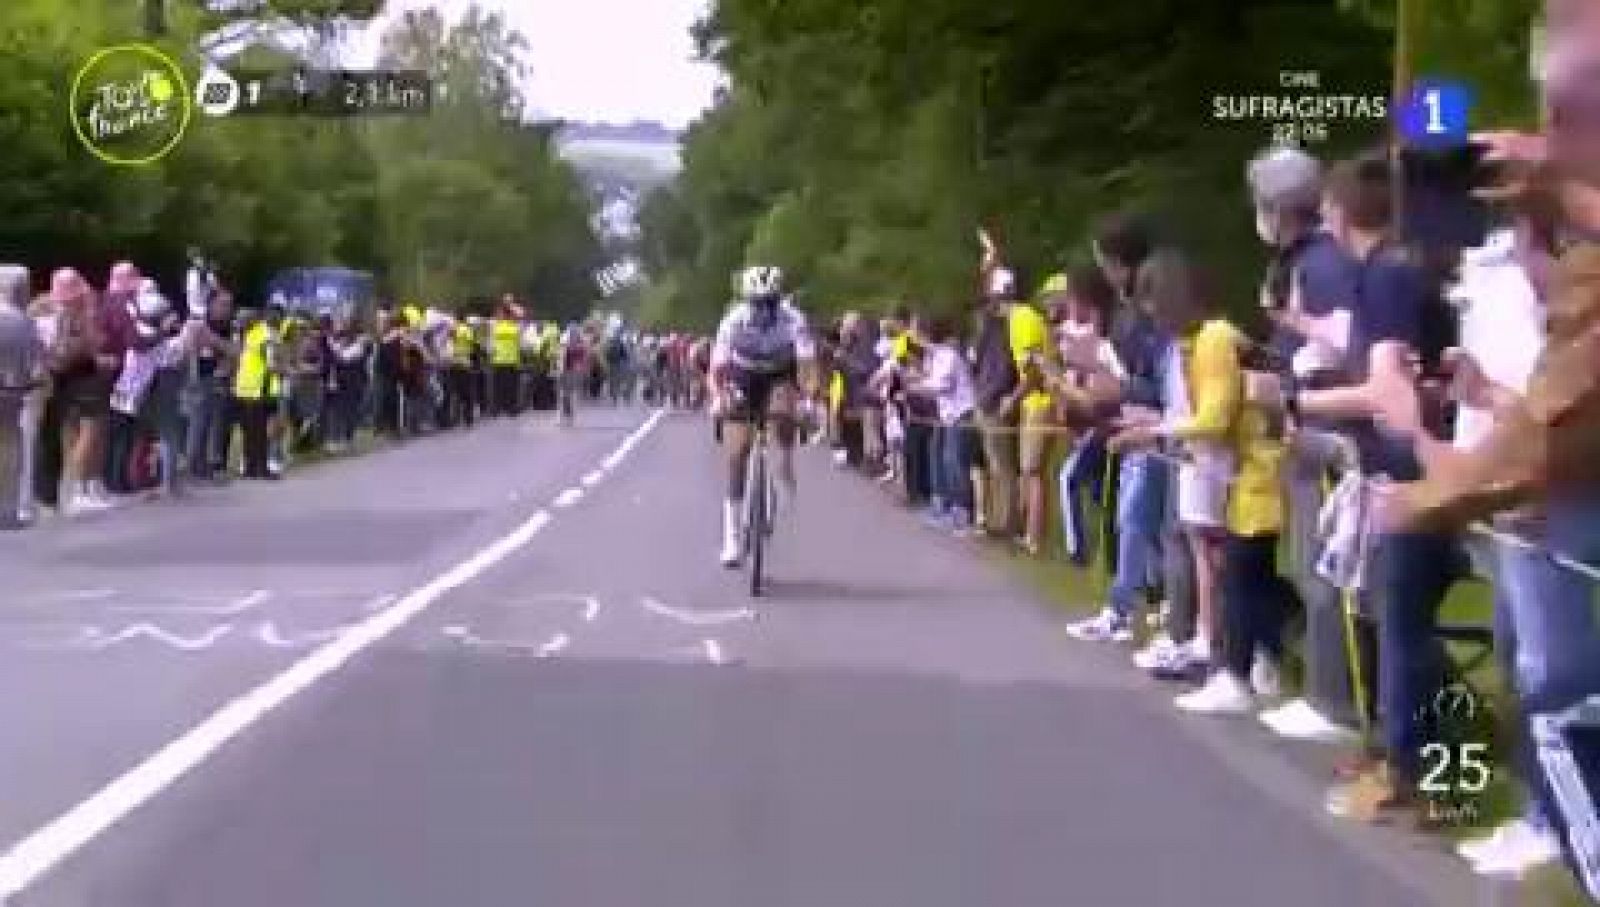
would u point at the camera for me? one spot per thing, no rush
(1442, 205)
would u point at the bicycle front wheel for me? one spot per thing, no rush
(756, 525)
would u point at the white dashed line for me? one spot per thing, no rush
(569, 497)
(592, 479)
(34, 856)
(556, 644)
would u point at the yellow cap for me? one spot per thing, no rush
(1055, 283)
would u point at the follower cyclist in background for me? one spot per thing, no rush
(763, 361)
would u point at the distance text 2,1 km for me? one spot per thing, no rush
(334, 93)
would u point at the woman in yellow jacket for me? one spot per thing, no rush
(1239, 443)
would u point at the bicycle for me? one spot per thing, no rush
(760, 498)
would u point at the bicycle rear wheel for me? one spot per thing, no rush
(756, 525)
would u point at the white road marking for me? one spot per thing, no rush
(34, 856)
(99, 640)
(237, 606)
(556, 644)
(612, 461)
(569, 497)
(592, 479)
(268, 634)
(46, 597)
(696, 618)
(713, 651)
(591, 604)
(82, 638)
(381, 602)
(85, 595)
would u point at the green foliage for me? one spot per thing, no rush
(467, 202)
(860, 144)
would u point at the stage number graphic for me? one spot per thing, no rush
(217, 93)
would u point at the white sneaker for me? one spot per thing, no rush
(1512, 849)
(1298, 720)
(1223, 694)
(97, 493)
(84, 502)
(1265, 677)
(1157, 652)
(1107, 626)
(841, 457)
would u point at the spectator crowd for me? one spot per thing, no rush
(1410, 403)
(125, 391)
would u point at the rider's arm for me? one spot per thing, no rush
(721, 356)
(805, 351)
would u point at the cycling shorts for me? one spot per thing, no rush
(754, 390)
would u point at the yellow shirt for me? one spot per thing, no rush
(1030, 341)
(900, 347)
(505, 344)
(461, 344)
(1222, 415)
(251, 379)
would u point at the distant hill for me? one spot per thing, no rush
(622, 164)
(641, 132)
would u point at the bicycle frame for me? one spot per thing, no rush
(758, 498)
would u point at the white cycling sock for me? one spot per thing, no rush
(732, 516)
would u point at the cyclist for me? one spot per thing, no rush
(763, 360)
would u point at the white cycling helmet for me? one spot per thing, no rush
(761, 282)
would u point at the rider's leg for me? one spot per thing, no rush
(781, 411)
(736, 436)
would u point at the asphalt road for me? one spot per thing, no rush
(503, 668)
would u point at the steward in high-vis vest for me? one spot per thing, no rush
(254, 384)
(460, 407)
(505, 362)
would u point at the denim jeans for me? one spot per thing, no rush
(1549, 626)
(1083, 470)
(343, 413)
(1328, 685)
(165, 409)
(122, 435)
(954, 445)
(1141, 511)
(14, 491)
(1412, 574)
(207, 404)
(920, 459)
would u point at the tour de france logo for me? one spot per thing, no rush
(130, 104)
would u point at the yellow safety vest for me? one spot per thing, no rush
(464, 342)
(251, 381)
(506, 348)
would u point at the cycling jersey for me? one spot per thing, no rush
(764, 341)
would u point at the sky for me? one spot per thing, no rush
(608, 61)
